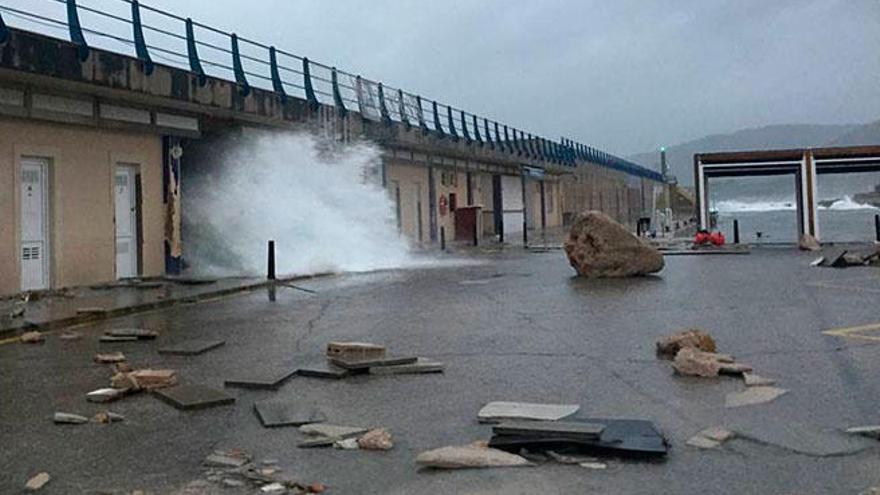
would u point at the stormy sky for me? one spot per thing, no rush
(626, 76)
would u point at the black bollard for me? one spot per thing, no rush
(877, 227)
(525, 235)
(271, 262)
(501, 232)
(443, 238)
(476, 234)
(736, 231)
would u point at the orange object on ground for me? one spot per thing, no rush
(717, 238)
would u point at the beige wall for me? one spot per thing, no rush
(456, 183)
(413, 183)
(81, 199)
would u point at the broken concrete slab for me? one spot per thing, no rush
(872, 431)
(365, 364)
(32, 338)
(147, 379)
(138, 333)
(91, 310)
(376, 439)
(106, 394)
(753, 395)
(421, 365)
(322, 369)
(192, 347)
(717, 433)
(753, 380)
(355, 351)
(328, 430)
(275, 413)
(469, 456)
(70, 335)
(69, 419)
(106, 417)
(37, 482)
(564, 429)
(192, 397)
(346, 444)
(109, 339)
(109, 358)
(271, 380)
(318, 442)
(500, 410)
(225, 461)
(594, 465)
(702, 442)
(734, 368)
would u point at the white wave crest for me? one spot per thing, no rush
(729, 206)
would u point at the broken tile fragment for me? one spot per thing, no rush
(67, 418)
(469, 456)
(753, 380)
(37, 482)
(865, 431)
(225, 461)
(702, 442)
(275, 412)
(105, 395)
(328, 430)
(421, 365)
(355, 350)
(366, 363)
(753, 395)
(717, 434)
(32, 338)
(549, 429)
(569, 459)
(376, 439)
(109, 358)
(322, 369)
(594, 465)
(273, 488)
(734, 368)
(347, 444)
(500, 410)
(191, 397)
(106, 417)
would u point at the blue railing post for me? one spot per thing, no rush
(401, 108)
(477, 131)
(244, 87)
(488, 134)
(532, 149)
(507, 141)
(337, 95)
(76, 33)
(464, 129)
(383, 108)
(437, 126)
(307, 84)
(452, 131)
(140, 44)
(195, 65)
(498, 137)
(422, 124)
(4, 32)
(277, 83)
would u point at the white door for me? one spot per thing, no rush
(126, 222)
(512, 202)
(34, 224)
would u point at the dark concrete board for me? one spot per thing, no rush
(191, 397)
(569, 429)
(322, 369)
(271, 380)
(365, 364)
(192, 347)
(138, 333)
(275, 412)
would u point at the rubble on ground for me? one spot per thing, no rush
(107, 417)
(145, 379)
(376, 439)
(70, 335)
(476, 455)
(710, 438)
(597, 246)
(70, 419)
(344, 359)
(37, 482)
(355, 350)
(109, 358)
(497, 411)
(872, 431)
(106, 394)
(236, 469)
(32, 337)
(693, 338)
(753, 380)
(808, 243)
(753, 395)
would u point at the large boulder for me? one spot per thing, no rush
(597, 246)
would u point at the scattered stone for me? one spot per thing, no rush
(71, 419)
(808, 243)
(691, 362)
(113, 357)
(717, 434)
(692, 338)
(569, 459)
(753, 380)
(376, 439)
(106, 417)
(191, 397)
(496, 411)
(105, 394)
(137, 333)
(328, 430)
(347, 444)
(272, 488)
(192, 347)
(32, 338)
(865, 431)
(70, 335)
(232, 483)
(753, 395)
(109, 339)
(37, 482)
(594, 465)
(818, 261)
(147, 379)
(702, 442)
(223, 460)
(597, 246)
(421, 365)
(356, 351)
(469, 456)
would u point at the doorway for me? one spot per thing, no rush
(34, 224)
(127, 199)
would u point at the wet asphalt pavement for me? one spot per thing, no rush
(509, 326)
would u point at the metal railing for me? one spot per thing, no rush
(205, 50)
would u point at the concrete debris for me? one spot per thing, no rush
(753, 395)
(710, 438)
(365, 364)
(106, 417)
(273, 488)
(328, 430)
(728, 368)
(234, 459)
(866, 431)
(691, 362)
(115, 340)
(569, 459)
(376, 439)
(32, 338)
(421, 365)
(597, 246)
(818, 261)
(347, 444)
(702, 442)
(95, 310)
(355, 351)
(113, 357)
(594, 465)
(70, 335)
(146, 379)
(808, 243)
(753, 380)
(17, 312)
(37, 482)
(469, 456)
(70, 419)
(105, 394)
(693, 338)
(497, 411)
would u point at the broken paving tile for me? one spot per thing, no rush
(420, 366)
(225, 461)
(272, 488)
(106, 417)
(71, 419)
(138, 333)
(752, 396)
(865, 431)
(191, 347)
(355, 350)
(109, 358)
(322, 369)
(364, 364)
(148, 379)
(105, 394)
(270, 380)
(347, 444)
(753, 380)
(37, 482)
(32, 338)
(191, 397)
(702, 442)
(328, 430)
(274, 412)
(376, 439)
(496, 411)
(594, 465)
(569, 459)
(70, 335)
(545, 429)
(108, 339)
(318, 442)
(734, 368)
(799, 437)
(717, 434)
(469, 456)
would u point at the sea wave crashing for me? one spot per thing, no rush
(844, 203)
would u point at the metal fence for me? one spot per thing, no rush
(153, 34)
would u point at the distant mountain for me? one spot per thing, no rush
(681, 156)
